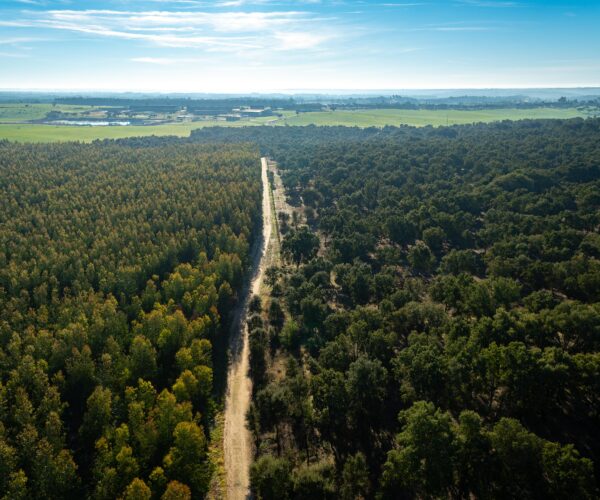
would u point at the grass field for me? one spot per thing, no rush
(10, 112)
(25, 132)
(423, 117)
(55, 133)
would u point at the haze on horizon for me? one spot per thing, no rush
(232, 46)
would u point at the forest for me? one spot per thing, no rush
(435, 331)
(119, 266)
(432, 331)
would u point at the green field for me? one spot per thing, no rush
(25, 132)
(10, 112)
(423, 117)
(55, 133)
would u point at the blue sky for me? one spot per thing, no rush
(279, 45)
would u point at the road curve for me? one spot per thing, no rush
(237, 440)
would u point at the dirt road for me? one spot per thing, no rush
(237, 441)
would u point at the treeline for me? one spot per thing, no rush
(463, 103)
(196, 106)
(119, 266)
(436, 331)
(316, 103)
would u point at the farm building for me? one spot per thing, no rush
(247, 111)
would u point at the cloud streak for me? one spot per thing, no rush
(225, 31)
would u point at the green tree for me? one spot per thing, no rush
(143, 358)
(314, 481)
(186, 460)
(420, 258)
(137, 490)
(17, 486)
(434, 238)
(276, 314)
(177, 491)
(355, 478)
(98, 416)
(270, 478)
(422, 462)
(300, 245)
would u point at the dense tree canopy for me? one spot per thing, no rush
(433, 333)
(118, 268)
(448, 333)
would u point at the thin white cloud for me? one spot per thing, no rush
(299, 40)
(450, 29)
(289, 30)
(166, 61)
(16, 24)
(18, 40)
(16, 55)
(460, 28)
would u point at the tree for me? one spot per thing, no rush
(8, 464)
(462, 261)
(434, 238)
(300, 245)
(567, 474)
(355, 478)
(272, 406)
(474, 463)
(366, 387)
(420, 370)
(143, 358)
(53, 475)
(177, 491)
(186, 460)
(137, 490)
(518, 451)
(400, 230)
(270, 478)
(17, 486)
(330, 397)
(422, 462)
(258, 347)
(255, 304)
(420, 258)
(314, 481)
(290, 335)
(276, 314)
(98, 415)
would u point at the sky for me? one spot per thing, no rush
(230, 46)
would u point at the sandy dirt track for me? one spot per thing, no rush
(237, 441)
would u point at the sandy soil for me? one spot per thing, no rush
(237, 440)
(281, 204)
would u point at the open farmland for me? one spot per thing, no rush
(23, 112)
(28, 132)
(57, 133)
(424, 117)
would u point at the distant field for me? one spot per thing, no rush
(23, 112)
(53, 133)
(363, 118)
(423, 117)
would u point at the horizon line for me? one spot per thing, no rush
(301, 90)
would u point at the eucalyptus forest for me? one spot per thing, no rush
(428, 327)
(119, 266)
